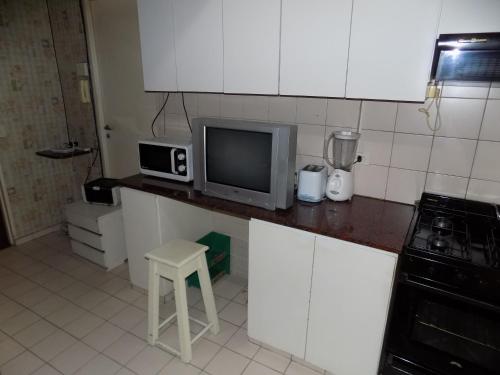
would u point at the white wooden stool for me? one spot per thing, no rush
(176, 260)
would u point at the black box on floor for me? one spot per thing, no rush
(102, 191)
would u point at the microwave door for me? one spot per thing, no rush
(155, 158)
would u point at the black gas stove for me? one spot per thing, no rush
(446, 310)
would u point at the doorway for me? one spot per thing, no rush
(4, 237)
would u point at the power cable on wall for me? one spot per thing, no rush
(158, 114)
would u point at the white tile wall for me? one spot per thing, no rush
(403, 156)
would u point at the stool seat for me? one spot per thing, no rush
(176, 253)
(176, 260)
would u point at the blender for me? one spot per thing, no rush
(340, 184)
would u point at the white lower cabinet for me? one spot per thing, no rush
(279, 283)
(350, 296)
(322, 299)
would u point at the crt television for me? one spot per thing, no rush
(245, 161)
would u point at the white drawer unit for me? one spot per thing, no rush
(96, 233)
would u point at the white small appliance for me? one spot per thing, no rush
(340, 184)
(167, 157)
(312, 183)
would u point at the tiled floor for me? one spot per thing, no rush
(62, 314)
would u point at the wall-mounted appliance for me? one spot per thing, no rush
(245, 161)
(467, 57)
(167, 157)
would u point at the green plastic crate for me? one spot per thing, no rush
(218, 257)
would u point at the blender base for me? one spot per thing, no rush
(340, 185)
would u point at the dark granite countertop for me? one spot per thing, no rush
(366, 221)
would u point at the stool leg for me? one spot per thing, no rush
(208, 294)
(181, 306)
(153, 303)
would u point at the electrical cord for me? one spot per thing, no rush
(91, 165)
(185, 112)
(426, 111)
(158, 114)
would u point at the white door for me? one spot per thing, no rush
(156, 25)
(251, 46)
(465, 16)
(198, 45)
(391, 48)
(350, 295)
(279, 282)
(314, 47)
(122, 106)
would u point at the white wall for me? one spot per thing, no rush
(403, 156)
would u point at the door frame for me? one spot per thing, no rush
(96, 87)
(6, 209)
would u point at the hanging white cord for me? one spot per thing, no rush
(426, 111)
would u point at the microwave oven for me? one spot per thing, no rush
(167, 158)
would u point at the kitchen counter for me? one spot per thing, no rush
(366, 221)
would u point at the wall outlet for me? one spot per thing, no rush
(433, 91)
(364, 159)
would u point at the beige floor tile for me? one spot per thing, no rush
(52, 345)
(35, 333)
(114, 285)
(58, 283)
(255, 368)
(83, 271)
(83, 325)
(9, 349)
(177, 367)
(103, 336)
(46, 370)
(65, 315)
(23, 364)
(234, 313)
(128, 294)
(9, 309)
(91, 299)
(18, 322)
(227, 362)
(17, 290)
(10, 278)
(240, 344)
(227, 288)
(98, 278)
(109, 307)
(125, 371)
(141, 330)
(241, 298)
(73, 358)
(34, 296)
(271, 359)
(99, 365)
(128, 318)
(297, 369)
(45, 276)
(227, 330)
(141, 302)
(126, 348)
(74, 291)
(32, 269)
(203, 352)
(220, 303)
(49, 305)
(150, 361)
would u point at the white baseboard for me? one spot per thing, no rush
(32, 236)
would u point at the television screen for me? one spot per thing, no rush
(239, 158)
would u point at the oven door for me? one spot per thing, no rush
(433, 331)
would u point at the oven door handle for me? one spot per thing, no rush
(410, 281)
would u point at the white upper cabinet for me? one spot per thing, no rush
(350, 296)
(314, 47)
(198, 45)
(156, 25)
(466, 16)
(391, 48)
(251, 46)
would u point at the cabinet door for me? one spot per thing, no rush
(142, 231)
(279, 282)
(198, 44)
(156, 27)
(314, 47)
(350, 295)
(391, 48)
(465, 16)
(251, 46)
